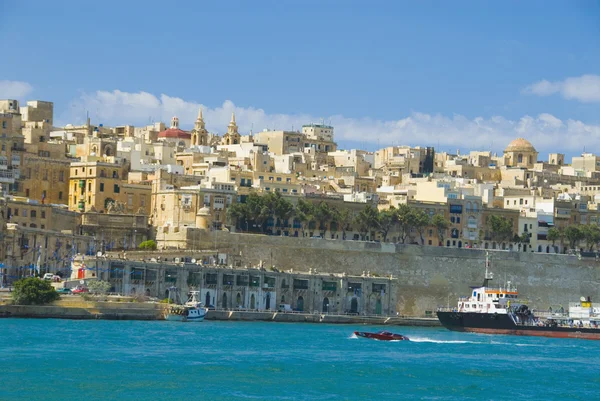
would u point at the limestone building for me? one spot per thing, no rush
(520, 153)
(232, 136)
(199, 133)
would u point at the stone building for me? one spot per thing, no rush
(34, 214)
(232, 136)
(250, 288)
(520, 153)
(174, 134)
(199, 133)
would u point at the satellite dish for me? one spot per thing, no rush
(81, 281)
(193, 260)
(99, 254)
(582, 299)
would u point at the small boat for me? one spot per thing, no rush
(382, 336)
(191, 311)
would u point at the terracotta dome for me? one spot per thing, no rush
(174, 133)
(520, 145)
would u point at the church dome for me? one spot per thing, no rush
(520, 145)
(174, 131)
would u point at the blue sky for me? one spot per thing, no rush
(467, 74)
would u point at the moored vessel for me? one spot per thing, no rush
(191, 311)
(498, 310)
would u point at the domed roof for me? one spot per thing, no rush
(520, 145)
(174, 133)
(204, 211)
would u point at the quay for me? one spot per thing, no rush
(122, 308)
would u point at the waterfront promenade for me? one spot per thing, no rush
(121, 308)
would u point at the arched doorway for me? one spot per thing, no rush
(224, 301)
(238, 300)
(207, 299)
(300, 304)
(325, 305)
(354, 305)
(378, 307)
(252, 302)
(268, 301)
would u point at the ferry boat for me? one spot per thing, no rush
(191, 311)
(497, 310)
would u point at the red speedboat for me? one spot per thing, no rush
(382, 335)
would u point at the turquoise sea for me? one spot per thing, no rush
(133, 360)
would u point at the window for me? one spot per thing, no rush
(24, 212)
(43, 214)
(27, 192)
(33, 214)
(101, 187)
(61, 176)
(45, 175)
(60, 195)
(89, 186)
(116, 189)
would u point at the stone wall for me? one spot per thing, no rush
(427, 276)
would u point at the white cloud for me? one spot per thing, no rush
(545, 131)
(585, 88)
(14, 89)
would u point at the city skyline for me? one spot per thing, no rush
(469, 77)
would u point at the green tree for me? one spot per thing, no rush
(501, 229)
(366, 221)
(99, 287)
(554, 234)
(305, 212)
(33, 291)
(323, 215)
(237, 214)
(591, 235)
(574, 235)
(284, 211)
(149, 245)
(344, 219)
(387, 219)
(441, 225)
(406, 220)
(258, 212)
(420, 221)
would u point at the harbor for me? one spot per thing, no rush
(124, 308)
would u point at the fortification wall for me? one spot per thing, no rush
(427, 276)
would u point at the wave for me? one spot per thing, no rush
(353, 336)
(431, 340)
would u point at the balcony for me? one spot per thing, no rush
(7, 176)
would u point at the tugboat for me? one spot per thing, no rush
(191, 311)
(382, 336)
(497, 310)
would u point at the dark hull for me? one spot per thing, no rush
(381, 337)
(503, 324)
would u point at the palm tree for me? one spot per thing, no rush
(366, 221)
(386, 220)
(343, 218)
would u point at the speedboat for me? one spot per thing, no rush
(382, 335)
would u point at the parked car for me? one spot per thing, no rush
(80, 290)
(49, 277)
(64, 291)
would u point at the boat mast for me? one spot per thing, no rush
(488, 275)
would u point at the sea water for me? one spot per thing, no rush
(135, 360)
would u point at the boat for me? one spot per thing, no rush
(498, 310)
(191, 311)
(382, 336)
